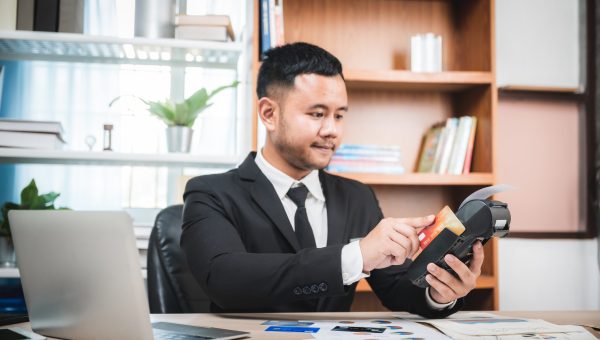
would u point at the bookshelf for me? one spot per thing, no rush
(34, 156)
(372, 40)
(71, 47)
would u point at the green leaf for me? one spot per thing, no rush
(164, 111)
(219, 89)
(5, 227)
(50, 197)
(38, 203)
(29, 193)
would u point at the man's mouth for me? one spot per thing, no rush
(328, 147)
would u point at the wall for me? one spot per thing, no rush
(539, 42)
(548, 274)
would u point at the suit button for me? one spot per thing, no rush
(314, 289)
(323, 286)
(306, 290)
(297, 291)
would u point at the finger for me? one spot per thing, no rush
(441, 288)
(445, 277)
(401, 240)
(410, 233)
(477, 261)
(397, 251)
(467, 277)
(417, 222)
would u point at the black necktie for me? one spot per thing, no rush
(303, 230)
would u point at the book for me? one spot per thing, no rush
(279, 29)
(205, 21)
(445, 147)
(470, 145)
(70, 17)
(31, 126)
(25, 15)
(202, 20)
(459, 149)
(213, 33)
(429, 146)
(45, 15)
(8, 15)
(384, 169)
(265, 37)
(30, 140)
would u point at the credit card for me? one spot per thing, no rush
(287, 323)
(358, 329)
(292, 329)
(445, 219)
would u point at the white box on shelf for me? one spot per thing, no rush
(426, 53)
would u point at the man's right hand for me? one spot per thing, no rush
(392, 241)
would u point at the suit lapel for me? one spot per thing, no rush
(264, 195)
(336, 204)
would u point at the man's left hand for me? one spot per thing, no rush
(446, 287)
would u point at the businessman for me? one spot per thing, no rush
(279, 234)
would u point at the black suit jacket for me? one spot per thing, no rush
(242, 249)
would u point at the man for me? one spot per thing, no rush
(278, 234)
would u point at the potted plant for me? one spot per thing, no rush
(30, 200)
(180, 117)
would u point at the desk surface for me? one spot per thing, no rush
(252, 322)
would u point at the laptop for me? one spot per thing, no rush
(82, 279)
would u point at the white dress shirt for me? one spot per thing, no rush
(352, 262)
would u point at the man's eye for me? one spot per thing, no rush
(317, 114)
(339, 117)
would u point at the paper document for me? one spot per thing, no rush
(486, 192)
(374, 329)
(497, 327)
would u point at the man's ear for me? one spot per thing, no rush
(268, 111)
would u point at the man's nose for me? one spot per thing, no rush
(329, 127)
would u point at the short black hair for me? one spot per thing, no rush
(282, 64)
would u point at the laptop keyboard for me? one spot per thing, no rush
(9, 319)
(174, 331)
(166, 335)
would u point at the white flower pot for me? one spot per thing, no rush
(179, 138)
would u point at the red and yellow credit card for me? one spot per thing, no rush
(445, 219)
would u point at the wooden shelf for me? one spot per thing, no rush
(13, 273)
(50, 46)
(421, 179)
(405, 80)
(9, 155)
(541, 89)
(484, 282)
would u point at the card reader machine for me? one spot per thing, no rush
(482, 219)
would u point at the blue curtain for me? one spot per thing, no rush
(10, 98)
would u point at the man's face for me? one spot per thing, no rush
(310, 122)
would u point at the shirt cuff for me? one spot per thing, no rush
(435, 305)
(352, 263)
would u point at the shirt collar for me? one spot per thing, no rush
(282, 182)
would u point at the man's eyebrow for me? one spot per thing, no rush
(325, 107)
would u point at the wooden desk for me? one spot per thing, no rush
(252, 322)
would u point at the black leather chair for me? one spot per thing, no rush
(171, 286)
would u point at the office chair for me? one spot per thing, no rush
(171, 286)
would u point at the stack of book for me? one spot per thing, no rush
(204, 27)
(31, 134)
(367, 158)
(447, 148)
(271, 24)
(142, 237)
